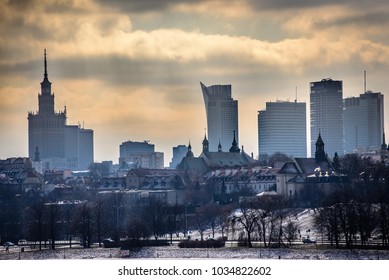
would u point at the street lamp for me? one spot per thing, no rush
(186, 219)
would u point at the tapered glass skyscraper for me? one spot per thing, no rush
(327, 115)
(222, 116)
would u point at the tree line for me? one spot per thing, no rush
(352, 214)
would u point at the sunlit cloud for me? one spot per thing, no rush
(125, 81)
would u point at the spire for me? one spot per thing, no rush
(205, 144)
(45, 84)
(383, 146)
(234, 148)
(45, 75)
(320, 154)
(219, 147)
(189, 153)
(37, 157)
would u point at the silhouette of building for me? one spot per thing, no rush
(222, 115)
(327, 114)
(364, 122)
(179, 153)
(282, 128)
(140, 155)
(51, 142)
(207, 161)
(310, 175)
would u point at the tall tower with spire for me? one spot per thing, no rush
(46, 99)
(46, 128)
(60, 146)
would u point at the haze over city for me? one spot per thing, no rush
(132, 69)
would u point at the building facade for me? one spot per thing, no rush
(140, 155)
(222, 115)
(327, 114)
(364, 122)
(310, 175)
(53, 143)
(179, 153)
(282, 127)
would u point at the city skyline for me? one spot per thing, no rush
(131, 70)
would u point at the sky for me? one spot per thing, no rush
(131, 70)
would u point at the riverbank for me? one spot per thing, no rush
(174, 252)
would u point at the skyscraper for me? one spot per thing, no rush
(222, 116)
(50, 140)
(282, 128)
(46, 128)
(179, 153)
(327, 114)
(364, 122)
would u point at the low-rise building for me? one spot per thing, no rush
(314, 173)
(163, 179)
(255, 179)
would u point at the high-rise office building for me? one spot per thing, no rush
(222, 116)
(327, 115)
(140, 155)
(364, 122)
(179, 153)
(282, 128)
(50, 140)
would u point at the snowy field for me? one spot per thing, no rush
(303, 218)
(307, 253)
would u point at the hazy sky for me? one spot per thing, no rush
(130, 70)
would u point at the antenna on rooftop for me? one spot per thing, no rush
(364, 79)
(295, 101)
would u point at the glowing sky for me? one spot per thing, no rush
(130, 70)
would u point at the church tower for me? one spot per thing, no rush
(189, 153)
(205, 144)
(320, 154)
(234, 148)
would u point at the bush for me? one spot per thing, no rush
(202, 244)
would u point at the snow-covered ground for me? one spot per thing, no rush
(303, 218)
(173, 252)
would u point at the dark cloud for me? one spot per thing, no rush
(304, 4)
(361, 20)
(22, 5)
(136, 6)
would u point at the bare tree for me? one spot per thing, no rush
(247, 219)
(36, 219)
(155, 215)
(202, 223)
(328, 222)
(53, 216)
(83, 223)
(383, 222)
(290, 231)
(277, 159)
(99, 219)
(137, 228)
